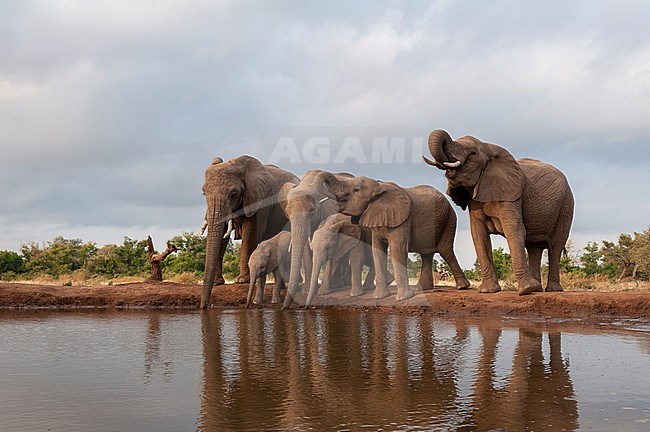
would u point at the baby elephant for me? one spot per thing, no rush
(270, 256)
(417, 219)
(338, 238)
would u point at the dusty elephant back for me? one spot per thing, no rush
(432, 216)
(546, 197)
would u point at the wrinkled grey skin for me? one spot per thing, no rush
(246, 192)
(271, 256)
(305, 207)
(338, 239)
(417, 219)
(528, 202)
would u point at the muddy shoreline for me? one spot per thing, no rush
(443, 301)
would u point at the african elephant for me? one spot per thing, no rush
(246, 192)
(527, 201)
(306, 207)
(417, 219)
(336, 239)
(270, 256)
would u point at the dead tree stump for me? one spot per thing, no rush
(156, 259)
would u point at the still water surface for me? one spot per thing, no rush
(239, 370)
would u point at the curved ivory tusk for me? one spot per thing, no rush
(289, 247)
(204, 226)
(309, 241)
(229, 230)
(324, 199)
(452, 165)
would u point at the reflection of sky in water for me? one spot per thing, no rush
(229, 335)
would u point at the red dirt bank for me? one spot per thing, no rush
(440, 301)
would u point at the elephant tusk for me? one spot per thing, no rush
(324, 199)
(204, 226)
(229, 230)
(289, 247)
(309, 241)
(452, 165)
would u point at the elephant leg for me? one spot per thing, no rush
(279, 284)
(379, 259)
(515, 232)
(398, 255)
(426, 273)
(259, 295)
(447, 253)
(554, 255)
(483, 246)
(369, 283)
(535, 261)
(356, 267)
(248, 244)
(218, 278)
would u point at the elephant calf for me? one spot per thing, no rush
(336, 239)
(270, 256)
(417, 219)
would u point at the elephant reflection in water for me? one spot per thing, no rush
(295, 370)
(539, 396)
(331, 369)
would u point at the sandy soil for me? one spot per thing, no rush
(439, 301)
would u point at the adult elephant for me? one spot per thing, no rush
(527, 201)
(306, 207)
(417, 219)
(246, 192)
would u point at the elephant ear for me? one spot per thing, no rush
(347, 238)
(390, 207)
(460, 196)
(258, 186)
(283, 196)
(502, 178)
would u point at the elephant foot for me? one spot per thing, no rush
(529, 287)
(219, 281)
(422, 287)
(258, 301)
(242, 279)
(325, 289)
(380, 293)
(404, 294)
(368, 286)
(462, 284)
(356, 292)
(489, 287)
(554, 287)
(276, 300)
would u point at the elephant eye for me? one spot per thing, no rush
(356, 190)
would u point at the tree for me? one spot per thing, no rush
(11, 264)
(129, 259)
(190, 256)
(60, 256)
(618, 256)
(156, 259)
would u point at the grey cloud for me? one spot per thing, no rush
(100, 101)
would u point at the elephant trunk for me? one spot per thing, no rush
(446, 152)
(215, 237)
(299, 234)
(327, 184)
(251, 288)
(319, 260)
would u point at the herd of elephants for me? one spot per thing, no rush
(288, 224)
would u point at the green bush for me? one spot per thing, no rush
(190, 256)
(60, 256)
(129, 259)
(11, 265)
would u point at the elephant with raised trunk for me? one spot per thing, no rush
(246, 192)
(417, 219)
(528, 202)
(338, 239)
(306, 207)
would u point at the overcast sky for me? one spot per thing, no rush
(110, 111)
